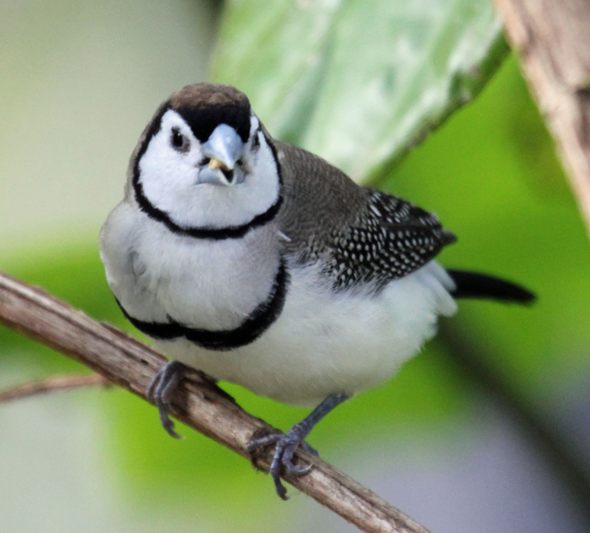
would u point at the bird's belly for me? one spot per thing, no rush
(326, 342)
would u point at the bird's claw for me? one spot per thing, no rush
(283, 458)
(160, 392)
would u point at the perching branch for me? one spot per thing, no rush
(51, 384)
(552, 38)
(198, 403)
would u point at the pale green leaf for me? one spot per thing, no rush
(356, 81)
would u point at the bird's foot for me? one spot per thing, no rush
(286, 445)
(160, 392)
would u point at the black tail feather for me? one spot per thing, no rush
(473, 285)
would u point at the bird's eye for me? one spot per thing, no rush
(178, 141)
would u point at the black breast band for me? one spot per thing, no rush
(248, 331)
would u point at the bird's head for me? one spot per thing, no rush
(205, 161)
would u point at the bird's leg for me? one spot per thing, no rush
(160, 391)
(287, 443)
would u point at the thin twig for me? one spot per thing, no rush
(197, 402)
(552, 38)
(51, 384)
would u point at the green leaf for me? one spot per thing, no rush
(357, 82)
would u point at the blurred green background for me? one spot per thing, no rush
(80, 80)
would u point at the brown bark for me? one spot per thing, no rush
(201, 405)
(552, 38)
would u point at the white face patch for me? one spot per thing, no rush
(169, 169)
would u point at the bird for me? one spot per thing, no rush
(259, 263)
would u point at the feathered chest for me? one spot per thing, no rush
(204, 283)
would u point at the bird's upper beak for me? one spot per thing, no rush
(223, 148)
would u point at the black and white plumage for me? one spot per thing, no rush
(259, 263)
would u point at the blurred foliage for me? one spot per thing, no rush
(379, 73)
(490, 173)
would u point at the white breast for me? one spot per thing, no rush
(156, 274)
(326, 342)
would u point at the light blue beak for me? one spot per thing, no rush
(223, 148)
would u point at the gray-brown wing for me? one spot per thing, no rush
(358, 235)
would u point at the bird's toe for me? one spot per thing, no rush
(283, 460)
(257, 443)
(160, 392)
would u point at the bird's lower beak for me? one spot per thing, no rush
(213, 176)
(222, 149)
